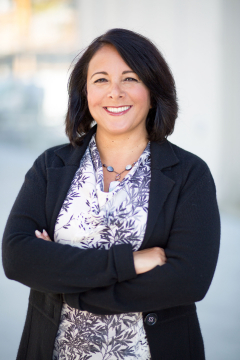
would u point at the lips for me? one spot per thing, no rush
(120, 110)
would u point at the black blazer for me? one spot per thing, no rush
(183, 218)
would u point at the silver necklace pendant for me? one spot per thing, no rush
(128, 167)
(118, 176)
(110, 169)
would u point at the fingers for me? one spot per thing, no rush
(145, 260)
(44, 235)
(156, 256)
(38, 234)
(164, 259)
(161, 256)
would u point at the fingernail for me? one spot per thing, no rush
(37, 233)
(45, 233)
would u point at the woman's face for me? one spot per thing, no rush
(117, 99)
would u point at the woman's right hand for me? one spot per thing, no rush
(44, 235)
(147, 259)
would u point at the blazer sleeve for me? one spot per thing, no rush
(192, 252)
(51, 267)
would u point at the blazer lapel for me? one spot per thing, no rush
(60, 178)
(162, 156)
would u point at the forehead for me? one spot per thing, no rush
(105, 59)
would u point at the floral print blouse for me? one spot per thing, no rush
(92, 218)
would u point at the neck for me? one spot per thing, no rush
(120, 150)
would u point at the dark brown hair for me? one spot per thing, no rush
(142, 56)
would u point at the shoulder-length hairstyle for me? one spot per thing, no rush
(142, 56)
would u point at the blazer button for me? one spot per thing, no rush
(151, 319)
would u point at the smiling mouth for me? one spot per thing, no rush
(117, 110)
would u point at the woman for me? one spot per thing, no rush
(133, 219)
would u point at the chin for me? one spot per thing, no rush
(116, 128)
(119, 131)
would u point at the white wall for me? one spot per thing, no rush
(230, 104)
(200, 42)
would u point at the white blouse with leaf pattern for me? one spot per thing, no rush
(105, 219)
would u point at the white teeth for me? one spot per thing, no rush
(119, 109)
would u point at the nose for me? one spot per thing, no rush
(115, 91)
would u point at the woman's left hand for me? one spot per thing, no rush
(44, 235)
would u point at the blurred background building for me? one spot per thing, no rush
(39, 40)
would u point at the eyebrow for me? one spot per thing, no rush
(105, 73)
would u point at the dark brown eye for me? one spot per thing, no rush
(130, 79)
(100, 80)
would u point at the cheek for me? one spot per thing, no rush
(143, 97)
(94, 98)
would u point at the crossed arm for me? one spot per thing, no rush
(115, 280)
(144, 260)
(191, 256)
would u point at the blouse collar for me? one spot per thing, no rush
(97, 165)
